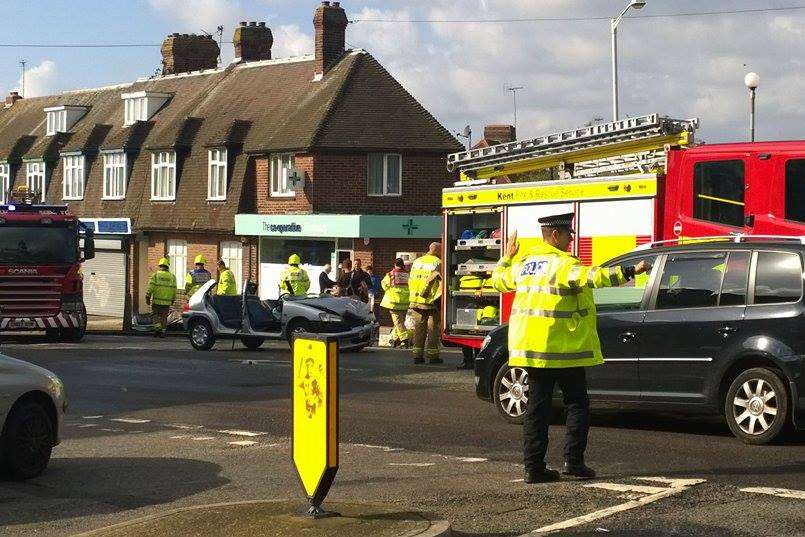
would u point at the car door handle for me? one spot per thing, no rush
(627, 337)
(725, 331)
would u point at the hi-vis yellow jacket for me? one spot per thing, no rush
(552, 322)
(422, 294)
(294, 280)
(395, 286)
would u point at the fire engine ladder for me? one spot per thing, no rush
(636, 144)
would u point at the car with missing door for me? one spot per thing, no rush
(717, 325)
(32, 407)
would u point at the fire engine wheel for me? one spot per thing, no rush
(201, 335)
(756, 406)
(27, 441)
(252, 343)
(510, 393)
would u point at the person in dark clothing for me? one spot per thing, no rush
(344, 278)
(360, 282)
(325, 283)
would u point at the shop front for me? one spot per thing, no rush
(332, 238)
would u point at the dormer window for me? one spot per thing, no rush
(142, 105)
(62, 118)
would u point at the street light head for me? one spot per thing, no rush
(752, 80)
(637, 4)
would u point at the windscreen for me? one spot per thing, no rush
(36, 245)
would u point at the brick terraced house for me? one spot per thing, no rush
(325, 155)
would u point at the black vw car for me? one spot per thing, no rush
(716, 326)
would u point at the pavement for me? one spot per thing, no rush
(155, 426)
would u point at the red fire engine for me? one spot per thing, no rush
(628, 183)
(41, 285)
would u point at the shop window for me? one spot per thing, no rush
(281, 165)
(691, 281)
(718, 192)
(232, 254)
(795, 190)
(312, 252)
(778, 278)
(5, 182)
(177, 255)
(385, 174)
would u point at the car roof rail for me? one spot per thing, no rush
(737, 237)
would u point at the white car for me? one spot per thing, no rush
(32, 407)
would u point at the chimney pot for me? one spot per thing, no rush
(499, 134)
(12, 98)
(243, 23)
(183, 53)
(330, 24)
(253, 42)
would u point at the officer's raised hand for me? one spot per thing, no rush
(642, 267)
(512, 246)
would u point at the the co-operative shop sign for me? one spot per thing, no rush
(282, 228)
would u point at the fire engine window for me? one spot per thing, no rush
(691, 281)
(795, 190)
(718, 194)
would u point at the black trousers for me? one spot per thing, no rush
(573, 382)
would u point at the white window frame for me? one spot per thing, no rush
(232, 254)
(385, 192)
(56, 121)
(163, 176)
(217, 180)
(114, 176)
(73, 177)
(177, 255)
(281, 164)
(5, 181)
(35, 176)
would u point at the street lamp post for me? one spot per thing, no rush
(752, 81)
(613, 26)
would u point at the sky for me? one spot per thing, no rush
(683, 67)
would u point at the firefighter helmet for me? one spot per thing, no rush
(164, 262)
(200, 260)
(294, 259)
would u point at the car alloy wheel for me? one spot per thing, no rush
(513, 394)
(755, 406)
(200, 334)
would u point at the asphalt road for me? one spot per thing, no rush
(154, 425)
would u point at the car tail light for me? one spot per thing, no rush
(186, 307)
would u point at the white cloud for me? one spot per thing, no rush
(40, 80)
(197, 15)
(289, 40)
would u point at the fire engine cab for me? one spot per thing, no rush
(628, 183)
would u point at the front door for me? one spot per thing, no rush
(620, 314)
(695, 322)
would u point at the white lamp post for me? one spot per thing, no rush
(613, 26)
(752, 81)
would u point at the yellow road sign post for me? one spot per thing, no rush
(315, 416)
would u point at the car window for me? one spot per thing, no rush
(736, 274)
(691, 280)
(718, 192)
(778, 278)
(629, 295)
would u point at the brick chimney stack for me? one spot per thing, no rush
(12, 98)
(500, 134)
(253, 41)
(182, 53)
(330, 23)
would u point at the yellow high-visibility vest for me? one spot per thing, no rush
(424, 294)
(162, 288)
(396, 293)
(294, 280)
(552, 322)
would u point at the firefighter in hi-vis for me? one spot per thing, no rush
(425, 291)
(396, 300)
(196, 277)
(160, 295)
(294, 279)
(552, 334)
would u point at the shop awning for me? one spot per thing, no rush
(339, 225)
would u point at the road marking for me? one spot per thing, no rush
(242, 443)
(472, 459)
(234, 432)
(387, 449)
(676, 486)
(626, 488)
(521, 480)
(180, 436)
(416, 464)
(183, 426)
(111, 430)
(91, 417)
(86, 425)
(781, 493)
(203, 438)
(260, 362)
(129, 420)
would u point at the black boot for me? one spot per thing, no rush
(541, 476)
(580, 470)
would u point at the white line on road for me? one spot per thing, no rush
(111, 430)
(782, 493)
(91, 417)
(203, 438)
(387, 449)
(521, 480)
(179, 436)
(676, 486)
(242, 443)
(129, 420)
(183, 426)
(234, 432)
(619, 487)
(86, 425)
(417, 464)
